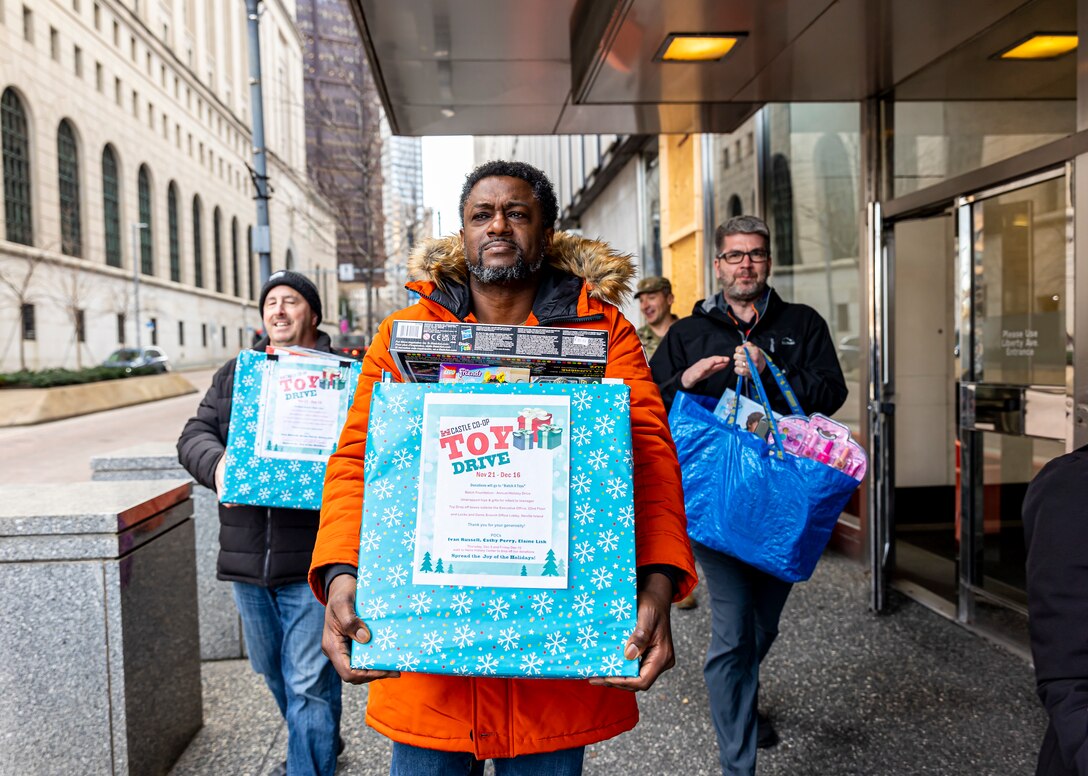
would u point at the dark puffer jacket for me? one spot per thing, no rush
(793, 335)
(259, 545)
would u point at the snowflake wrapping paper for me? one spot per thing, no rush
(576, 630)
(262, 470)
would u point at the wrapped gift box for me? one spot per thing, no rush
(550, 436)
(569, 611)
(523, 439)
(286, 414)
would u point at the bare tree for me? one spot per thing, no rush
(344, 154)
(72, 292)
(16, 274)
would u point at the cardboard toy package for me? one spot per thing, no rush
(429, 351)
(287, 410)
(492, 550)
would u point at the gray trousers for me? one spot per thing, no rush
(745, 605)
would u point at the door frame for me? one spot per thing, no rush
(881, 219)
(972, 538)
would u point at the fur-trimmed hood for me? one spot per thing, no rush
(607, 272)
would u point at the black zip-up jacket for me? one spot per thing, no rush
(1056, 533)
(259, 545)
(793, 335)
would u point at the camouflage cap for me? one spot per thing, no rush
(653, 284)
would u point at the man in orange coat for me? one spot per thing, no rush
(509, 267)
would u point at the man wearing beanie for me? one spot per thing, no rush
(265, 552)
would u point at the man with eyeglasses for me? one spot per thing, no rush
(704, 354)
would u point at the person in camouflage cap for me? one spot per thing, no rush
(655, 299)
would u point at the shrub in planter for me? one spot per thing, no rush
(51, 378)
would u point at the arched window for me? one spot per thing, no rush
(143, 187)
(111, 206)
(217, 247)
(234, 256)
(251, 262)
(16, 152)
(290, 259)
(198, 254)
(736, 207)
(782, 210)
(71, 235)
(838, 200)
(173, 228)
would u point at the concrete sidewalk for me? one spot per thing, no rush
(850, 693)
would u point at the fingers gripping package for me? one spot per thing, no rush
(498, 531)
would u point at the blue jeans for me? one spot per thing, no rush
(417, 761)
(282, 627)
(745, 605)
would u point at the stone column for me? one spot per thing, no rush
(100, 645)
(220, 627)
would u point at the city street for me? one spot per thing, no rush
(61, 451)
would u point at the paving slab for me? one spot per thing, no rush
(850, 693)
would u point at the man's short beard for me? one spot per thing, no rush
(747, 296)
(519, 270)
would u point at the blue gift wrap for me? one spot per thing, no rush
(565, 613)
(261, 470)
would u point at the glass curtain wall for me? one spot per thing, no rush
(811, 186)
(934, 141)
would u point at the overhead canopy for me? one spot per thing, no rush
(588, 66)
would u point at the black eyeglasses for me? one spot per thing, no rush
(758, 256)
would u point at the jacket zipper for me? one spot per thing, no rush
(268, 548)
(573, 319)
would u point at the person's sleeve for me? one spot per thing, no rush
(667, 366)
(342, 498)
(660, 524)
(1057, 587)
(201, 445)
(817, 380)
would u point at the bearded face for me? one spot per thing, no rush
(504, 236)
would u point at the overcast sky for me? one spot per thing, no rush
(446, 162)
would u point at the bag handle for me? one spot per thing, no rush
(783, 386)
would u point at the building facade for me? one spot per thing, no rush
(406, 220)
(345, 152)
(127, 142)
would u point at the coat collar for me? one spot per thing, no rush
(580, 275)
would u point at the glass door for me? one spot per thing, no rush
(924, 543)
(1014, 277)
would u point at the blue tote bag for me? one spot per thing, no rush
(747, 497)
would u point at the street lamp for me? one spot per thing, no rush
(136, 274)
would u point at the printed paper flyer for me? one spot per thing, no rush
(303, 409)
(494, 492)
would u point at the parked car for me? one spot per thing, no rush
(850, 353)
(133, 358)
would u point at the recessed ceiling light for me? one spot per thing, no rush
(698, 46)
(449, 113)
(1041, 45)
